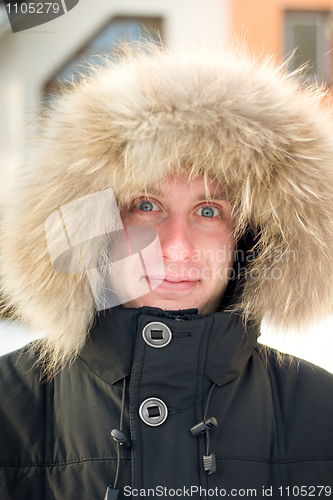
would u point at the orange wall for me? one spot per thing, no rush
(260, 22)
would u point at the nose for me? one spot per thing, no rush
(176, 239)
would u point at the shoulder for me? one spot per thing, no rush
(18, 371)
(302, 396)
(22, 406)
(291, 373)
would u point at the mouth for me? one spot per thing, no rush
(172, 283)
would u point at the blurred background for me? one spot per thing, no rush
(35, 63)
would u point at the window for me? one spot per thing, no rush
(308, 37)
(130, 29)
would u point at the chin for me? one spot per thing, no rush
(169, 305)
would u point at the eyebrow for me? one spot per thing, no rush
(217, 195)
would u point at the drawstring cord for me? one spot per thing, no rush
(118, 436)
(121, 422)
(203, 427)
(205, 418)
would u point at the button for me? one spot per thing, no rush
(157, 334)
(153, 411)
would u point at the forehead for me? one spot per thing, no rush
(198, 187)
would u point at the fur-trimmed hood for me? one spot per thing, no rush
(263, 135)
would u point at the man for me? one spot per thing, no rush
(174, 201)
(196, 239)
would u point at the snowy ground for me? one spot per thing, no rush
(315, 345)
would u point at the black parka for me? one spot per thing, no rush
(274, 435)
(123, 130)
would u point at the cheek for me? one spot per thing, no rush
(219, 250)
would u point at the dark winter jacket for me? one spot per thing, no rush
(274, 432)
(132, 124)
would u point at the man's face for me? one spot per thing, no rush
(196, 238)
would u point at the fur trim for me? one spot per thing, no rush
(252, 126)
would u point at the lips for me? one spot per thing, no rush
(173, 279)
(172, 283)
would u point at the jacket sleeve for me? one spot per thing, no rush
(24, 421)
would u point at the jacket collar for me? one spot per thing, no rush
(110, 347)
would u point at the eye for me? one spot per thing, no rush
(147, 206)
(208, 211)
